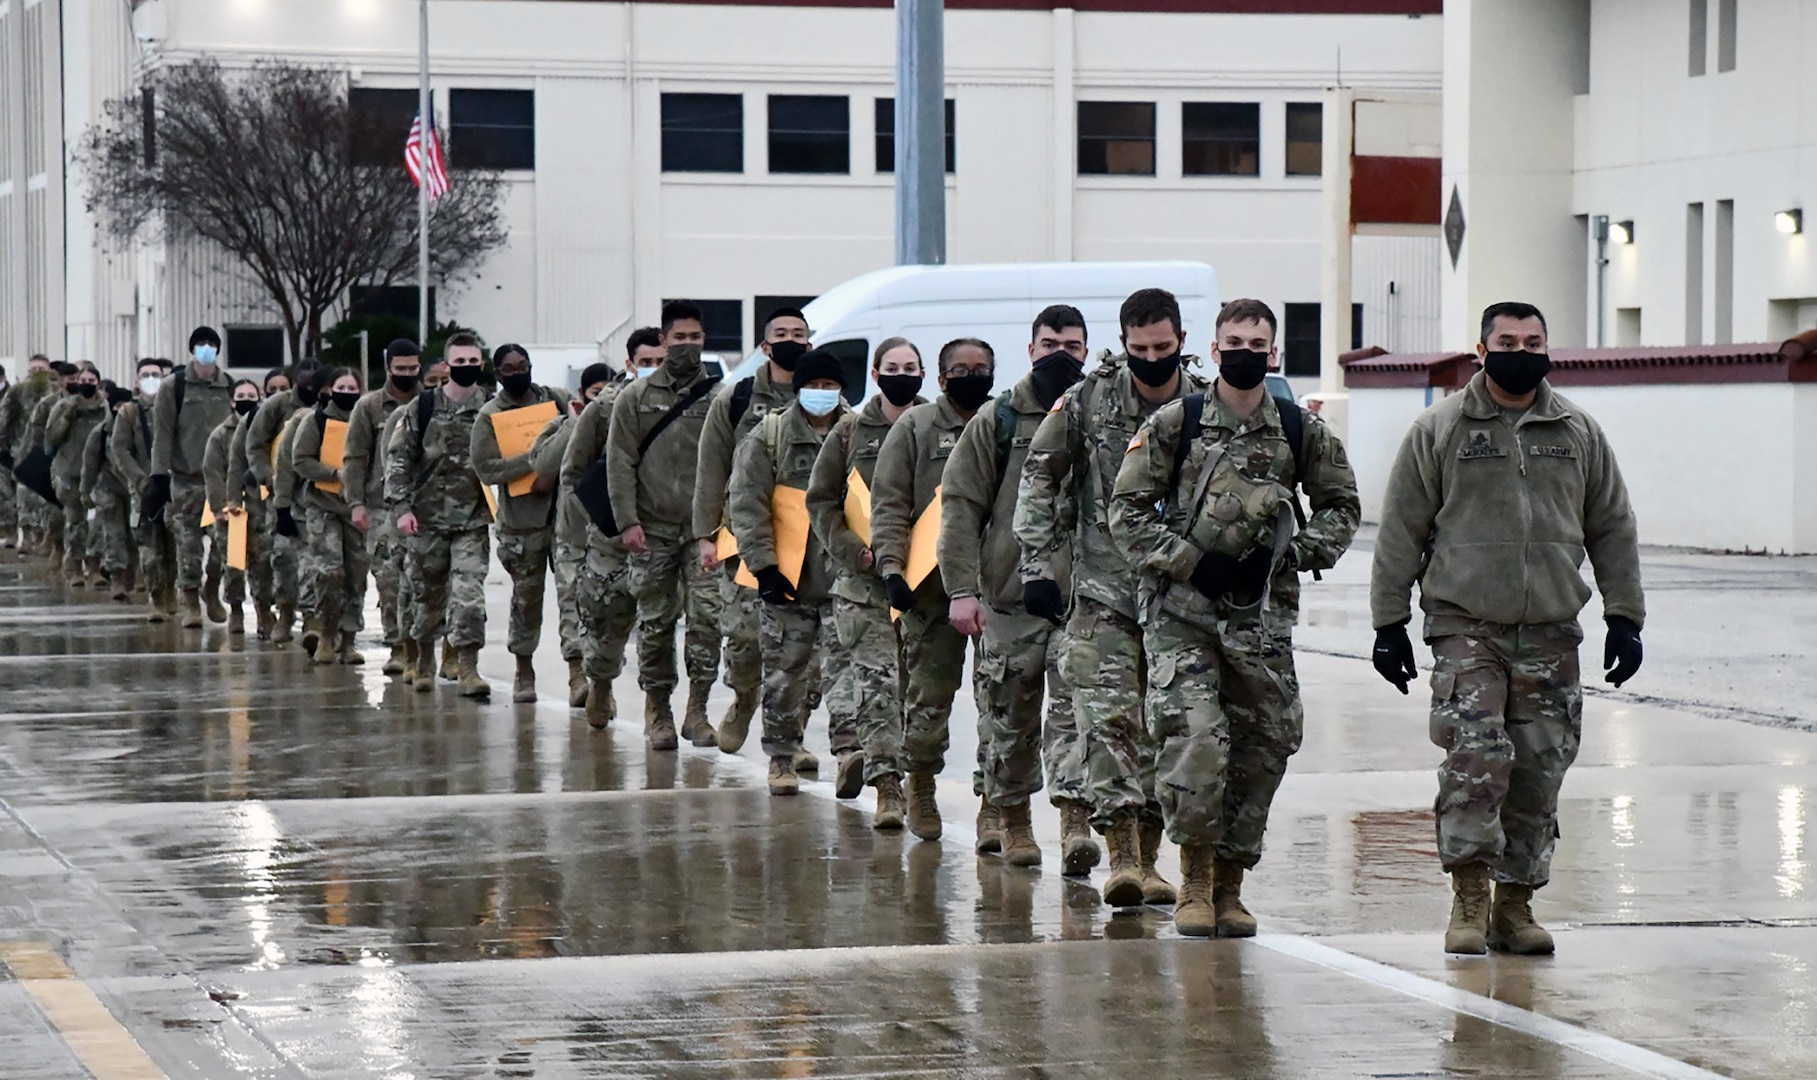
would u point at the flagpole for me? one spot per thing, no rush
(422, 188)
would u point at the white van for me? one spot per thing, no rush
(932, 305)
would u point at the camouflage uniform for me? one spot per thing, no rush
(363, 477)
(781, 453)
(35, 424)
(867, 674)
(247, 493)
(66, 431)
(178, 444)
(33, 511)
(608, 607)
(1223, 699)
(286, 486)
(1065, 495)
(570, 558)
(1493, 512)
(219, 479)
(1019, 655)
(909, 465)
(129, 450)
(449, 553)
(110, 538)
(9, 506)
(659, 492)
(335, 556)
(400, 544)
(262, 446)
(718, 439)
(526, 537)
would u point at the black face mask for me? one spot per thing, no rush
(1054, 373)
(465, 374)
(968, 392)
(405, 384)
(306, 395)
(784, 353)
(1154, 373)
(899, 389)
(1517, 373)
(246, 408)
(345, 400)
(87, 389)
(1243, 369)
(516, 385)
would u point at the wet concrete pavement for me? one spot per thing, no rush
(264, 868)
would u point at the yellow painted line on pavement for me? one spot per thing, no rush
(98, 1040)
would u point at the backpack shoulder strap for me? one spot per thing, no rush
(321, 421)
(1007, 420)
(425, 408)
(741, 398)
(1293, 426)
(1190, 427)
(700, 390)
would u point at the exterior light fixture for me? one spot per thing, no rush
(1621, 232)
(1789, 222)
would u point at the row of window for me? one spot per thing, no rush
(811, 133)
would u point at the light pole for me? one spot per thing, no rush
(920, 133)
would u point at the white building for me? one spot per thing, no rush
(731, 153)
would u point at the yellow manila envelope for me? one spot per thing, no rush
(858, 507)
(725, 545)
(789, 524)
(236, 539)
(517, 430)
(208, 515)
(334, 453)
(924, 544)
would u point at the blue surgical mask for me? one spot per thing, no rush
(646, 372)
(818, 402)
(205, 354)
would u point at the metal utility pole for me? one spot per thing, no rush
(920, 132)
(422, 189)
(1600, 225)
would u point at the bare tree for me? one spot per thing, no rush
(264, 163)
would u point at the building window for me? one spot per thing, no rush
(492, 129)
(378, 122)
(703, 133)
(725, 324)
(1116, 138)
(1305, 138)
(762, 306)
(810, 134)
(886, 135)
(255, 346)
(1700, 36)
(1220, 138)
(1300, 333)
(1725, 35)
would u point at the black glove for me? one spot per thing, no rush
(773, 585)
(1621, 650)
(1252, 574)
(1393, 656)
(155, 497)
(902, 598)
(1213, 575)
(1043, 600)
(287, 525)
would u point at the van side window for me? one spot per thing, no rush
(855, 355)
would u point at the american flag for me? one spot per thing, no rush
(438, 166)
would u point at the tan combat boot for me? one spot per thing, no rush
(892, 807)
(211, 597)
(1079, 850)
(602, 709)
(1124, 886)
(523, 687)
(1193, 915)
(263, 622)
(1234, 920)
(989, 829)
(327, 645)
(155, 612)
(659, 722)
(409, 672)
(1155, 888)
(735, 726)
(123, 586)
(424, 671)
(282, 625)
(1019, 847)
(805, 761)
(349, 654)
(783, 780)
(695, 727)
(577, 685)
(312, 634)
(923, 808)
(1468, 933)
(472, 686)
(395, 663)
(192, 609)
(451, 662)
(1511, 924)
(848, 777)
(236, 621)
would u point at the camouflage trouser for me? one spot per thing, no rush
(791, 635)
(9, 505)
(933, 664)
(335, 560)
(1106, 667)
(667, 580)
(867, 684)
(448, 578)
(738, 628)
(824, 665)
(608, 607)
(1224, 709)
(34, 511)
(525, 556)
(75, 530)
(258, 553)
(109, 537)
(568, 564)
(406, 592)
(384, 552)
(1508, 712)
(183, 516)
(281, 553)
(157, 557)
(1018, 665)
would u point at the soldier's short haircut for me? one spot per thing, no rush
(642, 337)
(1146, 307)
(506, 352)
(890, 343)
(152, 361)
(1247, 310)
(1510, 309)
(401, 347)
(676, 310)
(1056, 317)
(63, 368)
(784, 312)
(462, 340)
(953, 346)
(39, 358)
